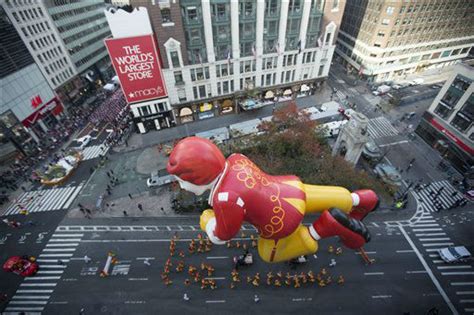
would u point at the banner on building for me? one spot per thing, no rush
(135, 60)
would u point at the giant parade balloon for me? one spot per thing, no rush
(276, 205)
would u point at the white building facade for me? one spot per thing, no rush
(223, 56)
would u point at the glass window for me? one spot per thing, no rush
(461, 122)
(390, 10)
(166, 15)
(192, 13)
(202, 91)
(174, 59)
(385, 21)
(178, 77)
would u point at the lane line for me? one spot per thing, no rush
(458, 273)
(31, 297)
(57, 272)
(426, 230)
(461, 283)
(465, 292)
(417, 271)
(405, 251)
(62, 244)
(65, 240)
(455, 267)
(43, 278)
(430, 234)
(215, 301)
(67, 235)
(466, 301)
(438, 244)
(373, 273)
(137, 279)
(430, 273)
(217, 257)
(381, 296)
(34, 291)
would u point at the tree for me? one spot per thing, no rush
(291, 144)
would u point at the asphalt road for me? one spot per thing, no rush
(396, 283)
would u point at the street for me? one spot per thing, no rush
(407, 276)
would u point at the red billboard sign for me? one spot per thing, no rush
(135, 60)
(451, 136)
(36, 101)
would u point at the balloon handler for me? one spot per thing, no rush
(275, 205)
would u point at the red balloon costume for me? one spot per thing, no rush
(275, 205)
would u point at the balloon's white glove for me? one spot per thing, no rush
(210, 227)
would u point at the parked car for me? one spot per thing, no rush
(159, 178)
(25, 266)
(371, 151)
(83, 141)
(396, 87)
(388, 174)
(436, 86)
(417, 81)
(381, 90)
(410, 115)
(454, 254)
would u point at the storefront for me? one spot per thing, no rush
(206, 110)
(45, 117)
(156, 121)
(453, 149)
(185, 115)
(226, 107)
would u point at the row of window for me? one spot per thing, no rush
(43, 42)
(85, 32)
(92, 41)
(76, 12)
(152, 109)
(35, 28)
(80, 23)
(89, 57)
(464, 117)
(27, 15)
(50, 54)
(55, 66)
(62, 77)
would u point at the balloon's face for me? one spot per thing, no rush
(195, 189)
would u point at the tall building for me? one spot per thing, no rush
(28, 106)
(65, 38)
(386, 39)
(222, 55)
(448, 123)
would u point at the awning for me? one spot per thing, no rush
(109, 87)
(227, 103)
(269, 95)
(115, 79)
(205, 107)
(287, 92)
(304, 88)
(185, 111)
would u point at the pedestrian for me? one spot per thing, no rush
(256, 298)
(111, 172)
(130, 196)
(23, 188)
(60, 262)
(108, 174)
(454, 194)
(140, 207)
(88, 211)
(80, 206)
(125, 213)
(185, 297)
(87, 259)
(91, 170)
(162, 209)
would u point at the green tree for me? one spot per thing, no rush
(291, 144)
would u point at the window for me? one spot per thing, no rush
(321, 69)
(461, 83)
(271, 7)
(461, 121)
(174, 59)
(385, 21)
(380, 34)
(166, 15)
(191, 13)
(178, 77)
(390, 10)
(328, 38)
(146, 110)
(202, 91)
(335, 5)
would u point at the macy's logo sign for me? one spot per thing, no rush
(146, 92)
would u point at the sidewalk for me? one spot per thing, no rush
(167, 135)
(151, 203)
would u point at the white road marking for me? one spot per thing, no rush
(438, 244)
(433, 249)
(51, 266)
(31, 297)
(29, 302)
(405, 251)
(34, 291)
(462, 283)
(67, 235)
(417, 271)
(466, 301)
(43, 278)
(438, 261)
(455, 267)
(381, 296)
(458, 273)
(426, 225)
(215, 278)
(51, 260)
(62, 244)
(393, 143)
(145, 258)
(37, 284)
(426, 230)
(217, 257)
(24, 308)
(65, 240)
(59, 250)
(430, 234)
(137, 279)
(50, 272)
(430, 273)
(357, 253)
(465, 292)
(215, 301)
(373, 273)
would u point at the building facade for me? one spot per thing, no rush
(65, 38)
(28, 107)
(223, 56)
(448, 123)
(386, 40)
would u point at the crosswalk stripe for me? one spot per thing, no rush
(24, 308)
(43, 278)
(34, 291)
(30, 297)
(445, 199)
(93, 151)
(51, 260)
(37, 284)
(65, 240)
(73, 196)
(59, 249)
(50, 272)
(381, 127)
(458, 273)
(455, 267)
(68, 235)
(29, 302)
(62, 244)
(465, 292)
(57, 198)
(438, 244)
(56, 255)
(434, 239)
